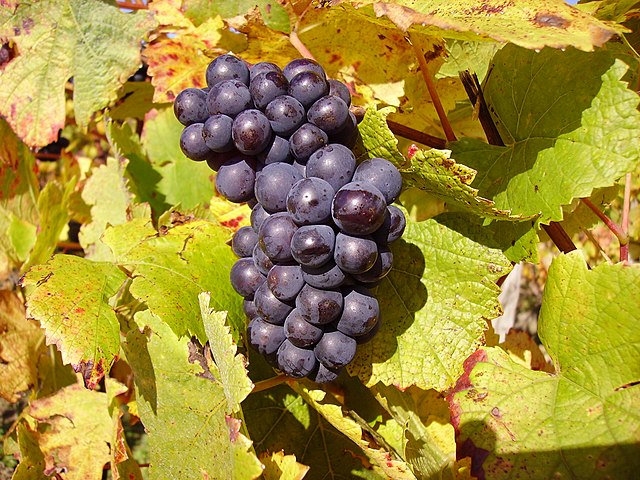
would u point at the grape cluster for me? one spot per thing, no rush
(281, 139)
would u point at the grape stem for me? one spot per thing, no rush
(132, 4)
(626, 207)
(269, 383)
(619, 232)
(298, 45)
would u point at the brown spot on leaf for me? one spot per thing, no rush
(437, 51)
(490, 8)
(495, 412)
(27, 23)
(234, 428)
(550, 20)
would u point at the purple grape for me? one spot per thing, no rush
(269, 307)
(249, 309)
(333, 163)
(245, 277)
(299, 65)
(300, 332)
(216, 160)
(380, 268)
(367, 337)
(348, 134)
(382, 174)
(258, 215)
(263, 67)
(216, 133)
(317, 306)
(244, 241)
(261, 261)
(285, 114)
(307, 87)
(272, 185)
(227, 67)
(335, 350)
(277, 151)
(274, 237)
(359, 208)
(267, 86)
(190, 106)
(306, 140)
(323, 374)
(355, 254)
(339, 89)
(265, 337)
(309, 201)
(229, 97)
(313, 245)
(327, 276)
(294, 361)
(329, 113)
(192, 144)
(392, 227)
(251, 132)
(285, 281)
(360, 312)
(235, 179)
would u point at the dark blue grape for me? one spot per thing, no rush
(300, 332)
(272, 185)
(360, 312)
(263, 67)
(307, 87)
(227, 67)
(339, 89)
(380, 268)
(265, 337)
(249, 309)
(323, 374)
(306, 140)
(285, 281)
(333, 163)
(317, 306)
(277, 151)
(261, 261)
(251, 132)
(327, 276)
(274, 237)
(235, 179)
(309, 201)
(393, 226)
(359, 208)
(299, 65)
(192, 144)
(269, 307)
(217, 133)
(267, 86)
(245, 277)
(294, 361)
(312, 245)
(190, 106)
(355, 254)
(286, 115)
(335, 350)
(258, 215)
(244, 241)
(329, 113)
(382, 174)
(229, 97)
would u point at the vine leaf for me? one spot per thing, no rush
(183, 409)
(123, 465)
(442, 284)
(588, 324)
(70, 299)
(567, 130)
(21, 344)
(230, 366)
(278, 466)
(91, 41)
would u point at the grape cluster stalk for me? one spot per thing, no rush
(321, 223)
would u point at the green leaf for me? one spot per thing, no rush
(278, 466)
(32, 464)
(581, 422)
(135, 102)
(183, 409)
(430, 170)
(170, 270)
(273, 14)
(70, 298)
(569, 123)
(442, 284)
(91, 41)
(464, 55)
(544, 23)
(230, 366)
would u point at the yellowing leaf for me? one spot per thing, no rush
(91, 41)
(278, 466)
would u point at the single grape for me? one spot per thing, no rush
(265, 337)
(285, 281)
(329, 113)
(309, 201)
(300, 332)
(294, 361)
(327, 276)
(249, 309)
(251, 132)
(244, 241)
(367, 337)
(192, 144)
(269, 307)
(236, 177)
(299, 65)
(339, 89)
(333, 163)
(335, 350)
(258, 215)
(380, 268)
(229, 97)
(382, 174)
(355, 254)
(216, 133)
(277, 151)
(261, 261)
(306, 140)
(317, 306)
(307, 87)
(263, 67)
(285, 114)
(392, 227)
(349, 134)
(267, 86)
(190, 106)
(360, 311)
(274, 237)
(216, 160)
(323, 374)
(313, 245)
(227, 67)
(358, 208)
(273, 183)
(245, 277)
(301, 167)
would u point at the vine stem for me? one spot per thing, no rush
(560, 237)
(435, 98)
(132, 4)
(298, 45)
(619, 232)
(626, 208)
(269, 383)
